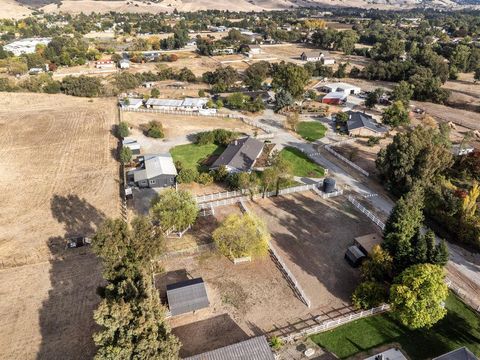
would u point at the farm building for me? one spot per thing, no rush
(130, 103)
(341, 87)
(26, 46)
(460, 354)
(362, 124)
(132, 144)
(187, 296)
(105, 64)
(322, 56)
(256, 348)
(254, 50)
(124, 64)
(366, 242)
(335, 98)
(153, 171)
(240, 155)
(187, 104)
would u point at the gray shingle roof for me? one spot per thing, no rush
(460, 354)
(187, 296)
(155, 165)
(240, 154)
(256, 348)
(359, 120)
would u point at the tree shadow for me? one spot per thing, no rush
(66, 316)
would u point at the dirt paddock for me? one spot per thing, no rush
(58, 178)
(254, 298)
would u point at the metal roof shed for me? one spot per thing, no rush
(460, 354)
(187, 296)
(256, 348)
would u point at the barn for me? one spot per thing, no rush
(335, 98)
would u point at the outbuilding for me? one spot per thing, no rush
(124, 64)
(105, 64)
(254, 49)
(256, 348)
(156, 170)
(366, 243)
(187, 296)
(341, 87)
(132, 144)
(354, 256)
(130, 103)
(335, 98)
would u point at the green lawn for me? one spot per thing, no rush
(192, 155)
(301, 164)
(311, 130)
(461, 327)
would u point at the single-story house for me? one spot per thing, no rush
(240, 155)
(187, 104)
(341, 87)
(460, 354)
(105, 64)
(362, 124)
(366, 242)
(335, 98)
(124, 64)
(192, 42)
(314, 56)
(130, 103)
(256, 348)
(156, 170)
(36, 70)
(187, 296)
(132, 144)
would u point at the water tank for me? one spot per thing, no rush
(328, 185)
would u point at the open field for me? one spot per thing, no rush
(12, 9)
(58, 178)
(195, 155)
(459, 328)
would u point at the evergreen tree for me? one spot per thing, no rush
(441, 254)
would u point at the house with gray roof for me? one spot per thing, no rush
(460, 354)
(240, 155)
(256, 348)
(362, 124)
(187, 296)
(157, 170)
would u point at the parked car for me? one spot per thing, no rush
(418, 111)
(78, 241)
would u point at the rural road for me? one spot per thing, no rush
(465, 263)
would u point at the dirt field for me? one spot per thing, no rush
(12, 9)
(253, 298)
(58, 178)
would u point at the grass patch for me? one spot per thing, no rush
(311, 130)
(460, 327)
(301, 164)
(194, 155)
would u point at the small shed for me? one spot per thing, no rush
(187, 296)
(354, 256)
(366, 242)
(132, 144)
(256, 348)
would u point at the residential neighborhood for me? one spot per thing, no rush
(240, 181)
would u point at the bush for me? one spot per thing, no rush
(155, 93)
(217, 136)
(275, 343)
(125, 155)
(220, 174)
(187, 175)
(373, 140)
(206, 137)
(122, 130)
(201, 93)
(204, 179)
(369, 294)
(178, 165)
(155, 130)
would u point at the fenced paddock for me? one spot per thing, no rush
(344, 159)
(367, 212)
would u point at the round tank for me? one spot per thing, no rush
(329, 185)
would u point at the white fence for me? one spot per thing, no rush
(224, 202)
(330, 324)
(290, 276)
(474, 304)
(220, 195)
(370, 215)
(355, 166)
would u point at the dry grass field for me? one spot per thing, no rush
(12, 9)
(58, 178)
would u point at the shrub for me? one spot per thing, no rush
(220, 174)
(206, 137)
(275, 343)
(155, 93)
(178, 165)
(369, 294)
(125, 155)
(201, 93)
(187, 175)
(204, 179)
(82, 86)
(122, 129)
(217, 136)
(373, 140)
(155, 130)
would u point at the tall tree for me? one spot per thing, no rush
(174, 210)
(403, 92)
(396, 115)
(418, 294)
(291, 78)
